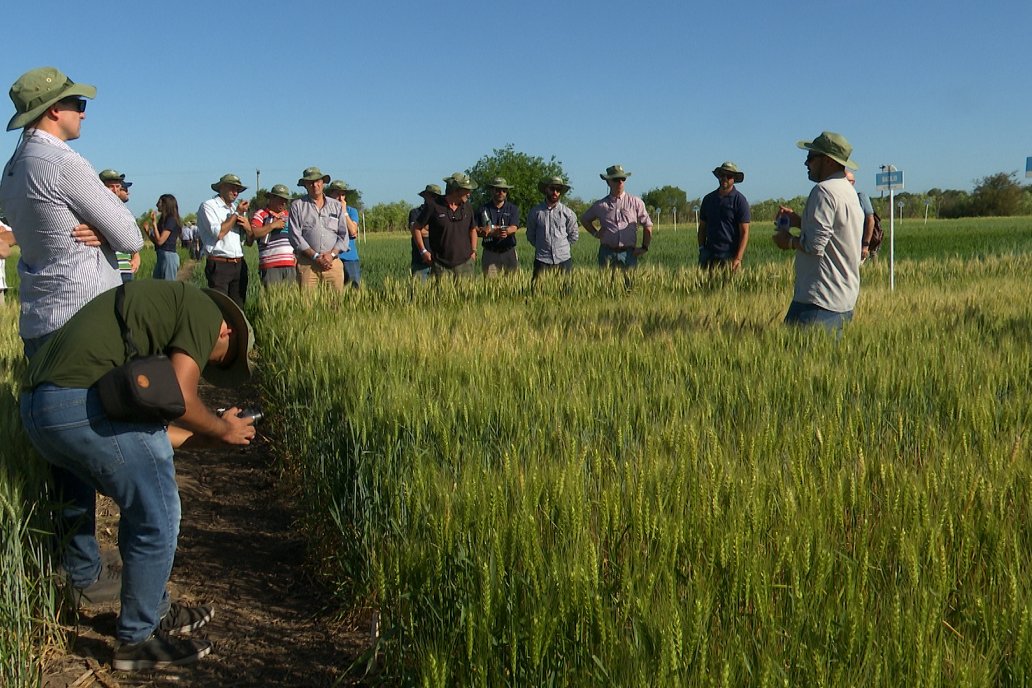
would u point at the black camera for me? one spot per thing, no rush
(246, 412)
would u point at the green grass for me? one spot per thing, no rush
(664, 486)
(588, 485)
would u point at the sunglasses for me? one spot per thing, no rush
(78, 104)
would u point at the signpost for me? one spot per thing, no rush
(1028, 167)
(695, 209)
(890, 179)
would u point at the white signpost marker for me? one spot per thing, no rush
(891, 180)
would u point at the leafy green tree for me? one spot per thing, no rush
(666, 199)
(998, 195)
(388, 217)
(522, 171)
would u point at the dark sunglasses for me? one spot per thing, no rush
(78, 104)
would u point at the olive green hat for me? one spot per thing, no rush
(498, 183)
(114, 176)
(241, 342)
(615, 172)
(431, 189)
(339, 185)
(835, 146)
(461, 181)
(280, 191)
(38, 89)
(729, 168)
(312, 174)
(553, 181)
(228, 179)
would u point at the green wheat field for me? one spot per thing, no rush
(640, 482)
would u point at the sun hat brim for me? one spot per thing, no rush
(20, 120)
(242, 341)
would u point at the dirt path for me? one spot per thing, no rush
(238, 551)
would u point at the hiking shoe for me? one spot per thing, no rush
(104, 590)
(183, 619)
(159, 650)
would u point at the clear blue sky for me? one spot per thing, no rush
(393, 95)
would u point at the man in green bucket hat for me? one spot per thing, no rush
(223, 227)
(276, 263)
(724, 221)
(418, 267)
(497, 222)
(70, 233)
(452, 235)
(827, 250)
(618, 216)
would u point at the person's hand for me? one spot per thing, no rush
(325, 260)
(865, 251)
(503, 232)
(793, 216)
(427, 257)
(134, 262)
(88, 236)
(483, 231)
(242, 207)
(736, 264)
(783, 239)
(239, 430)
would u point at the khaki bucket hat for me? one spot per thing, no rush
(729, 168)
(38, 89)
(312, 174)
(835, 146)
(108, 176)
(431, 189)
(498, 183)
(339, 185)
(615, 172)
(280, 191)
(553, 181)
(461, 181)
(228, 179)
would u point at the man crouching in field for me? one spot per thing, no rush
(202, 333)
(827, 264)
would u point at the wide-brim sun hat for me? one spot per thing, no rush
(313, 174)
(729, 168)
(431, 189)
(615, 172)
(241, 343)
(460, 181)
(339, 185)
(228, 179)
(109, 175)
(834, 145)
(280, 191)
(553, 181)
(38, 89)
(498, 183)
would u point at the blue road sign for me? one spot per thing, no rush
(886, 181)
(1028, 167)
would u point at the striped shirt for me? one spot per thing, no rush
(46, 190)
(274, 249)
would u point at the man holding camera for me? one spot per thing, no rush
(223, 226)
(203, 333)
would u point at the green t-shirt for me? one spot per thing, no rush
(162, 315)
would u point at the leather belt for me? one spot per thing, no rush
(224, 259)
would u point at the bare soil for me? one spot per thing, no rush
(238, 551)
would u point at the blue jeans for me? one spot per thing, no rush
(804, 314)
(352, 273)
(608, 258)
(167, 267)
(132, 464)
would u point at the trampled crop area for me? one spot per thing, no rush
(590, 484)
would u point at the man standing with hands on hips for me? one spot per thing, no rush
(223, 226)
(827, 259)
(618, 215)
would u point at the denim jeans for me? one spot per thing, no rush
(808, 314)
(608, 258)
(132, 464)
(352, 273)
(167, 265)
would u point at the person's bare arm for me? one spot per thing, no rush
(198, 419)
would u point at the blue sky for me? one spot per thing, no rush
(393, 95)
